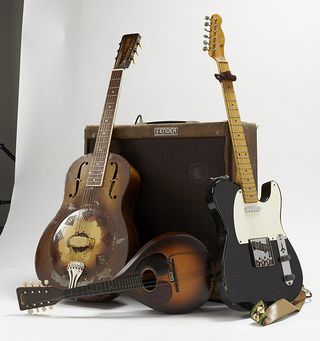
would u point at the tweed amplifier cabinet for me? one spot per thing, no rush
(175, 162)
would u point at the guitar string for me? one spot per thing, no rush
(110, 115)
(252, 221)
(90, 192)
(205, 272)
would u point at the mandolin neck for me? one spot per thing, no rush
(241, 154)
(117, 285)
(103, 139)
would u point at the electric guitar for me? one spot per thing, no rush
(257, 260)
(93, 231)
(171, 274)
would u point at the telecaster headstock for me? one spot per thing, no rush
(214, 42)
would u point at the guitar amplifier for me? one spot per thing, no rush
(176, 162)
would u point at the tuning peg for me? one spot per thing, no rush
(206, 18)
(40, 284)
(46, 282)
(43, 309)
(206, 23)
(205, 48)
(50, 307)
(207, 30)
(206, 36)
(30, 311)
(205, 42)
(25, 284)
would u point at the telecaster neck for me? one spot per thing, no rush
(241, 154)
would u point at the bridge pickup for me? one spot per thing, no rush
(262, 252)
(285, 258)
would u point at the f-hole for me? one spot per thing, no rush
(78, 179)
(149, 280)
(113, 180)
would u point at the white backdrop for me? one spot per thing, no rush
(68, 50)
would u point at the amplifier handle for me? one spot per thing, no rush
(139, 120)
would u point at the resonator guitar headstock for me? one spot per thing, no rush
(127, 49)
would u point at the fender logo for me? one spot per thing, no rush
(166, 131)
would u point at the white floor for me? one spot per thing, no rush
(124, 319)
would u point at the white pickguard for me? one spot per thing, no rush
(264, 221)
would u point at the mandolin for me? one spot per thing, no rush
(171, 274)
(92, 236)
(256, 261)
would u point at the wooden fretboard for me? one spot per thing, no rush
(101, 149)
(246, 177)
(117, 285)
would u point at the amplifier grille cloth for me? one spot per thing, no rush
(175, 174)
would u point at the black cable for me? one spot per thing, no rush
(7, 151)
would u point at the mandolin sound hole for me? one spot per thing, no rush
(149, 280)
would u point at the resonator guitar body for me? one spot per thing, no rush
(94, 225)
(93, 235)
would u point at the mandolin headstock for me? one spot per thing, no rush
(38, 298)
(127, 49)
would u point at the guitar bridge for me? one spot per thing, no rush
(262, 252)
(285, 258)
(172, 273)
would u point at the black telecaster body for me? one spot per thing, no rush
(240, 282)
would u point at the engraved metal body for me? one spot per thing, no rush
(102, 236)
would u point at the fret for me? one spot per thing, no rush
(99, 287)
(249, 193)
(242, 148)
(235, 124)
(134, 281)
(240, 143)
(130, 283)
(247, 171)
(234, 115)
(127, 283)
(137, 282)
(238, 138)
(248, 184)
(252, 199)
(246, 158)
(238, 135)
(245, 162)
(101, 150)
(236, 129)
